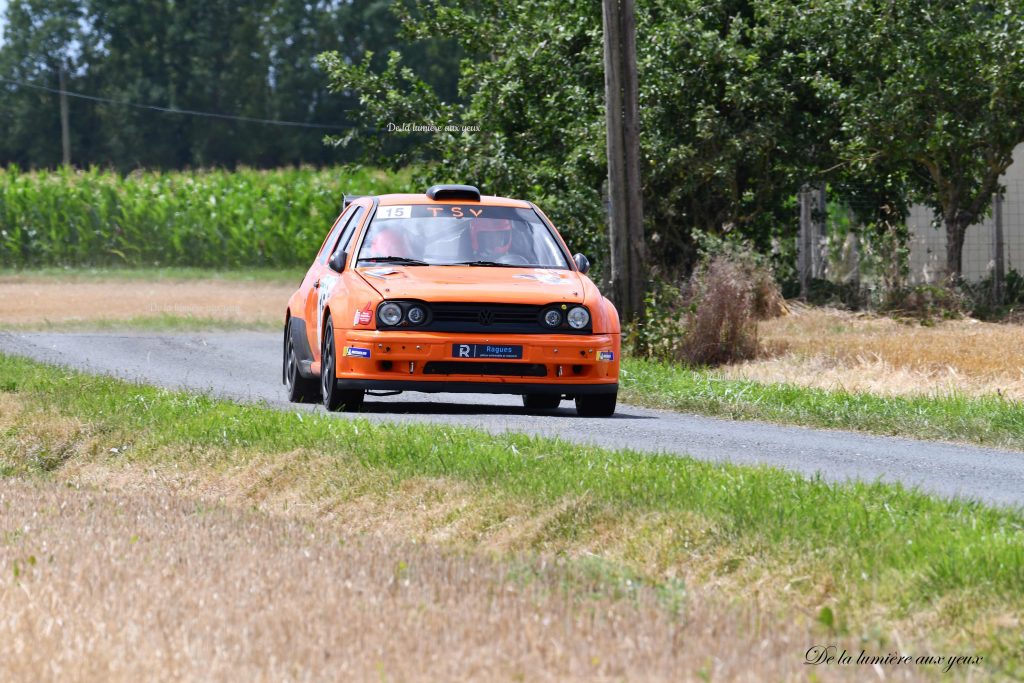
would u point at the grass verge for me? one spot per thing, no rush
(290, 276)
(870, 560)
(992, 420)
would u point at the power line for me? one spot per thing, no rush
(172, 110)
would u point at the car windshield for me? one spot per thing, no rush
(450, 235)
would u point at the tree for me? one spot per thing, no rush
(41, 39)
(720, 126)
(936, 89)
(253, 59)
(532, 84)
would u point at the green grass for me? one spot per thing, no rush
(878, 546)
(992, 421)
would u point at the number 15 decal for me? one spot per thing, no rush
(394, 212)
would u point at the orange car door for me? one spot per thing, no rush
(326, 282)
(311, 283)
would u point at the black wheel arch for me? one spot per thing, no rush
(296, 330)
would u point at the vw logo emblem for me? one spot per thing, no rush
(485, 317)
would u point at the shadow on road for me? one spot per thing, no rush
(438, 408)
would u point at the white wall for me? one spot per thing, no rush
(928, 244)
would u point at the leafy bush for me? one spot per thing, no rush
(712, 318)
(982, 304)
(660, 335)
(943, 301)
(212, 218)
(926, 302)
(1014, 288)
(821, 292)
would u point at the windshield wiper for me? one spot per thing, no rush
(401, 260)
(487, 263)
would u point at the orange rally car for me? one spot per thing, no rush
(450, 291)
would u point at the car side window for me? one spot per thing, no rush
(339, 225)
(339, 228)
(350, 229)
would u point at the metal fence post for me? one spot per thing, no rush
(818, 217)
(998, 252)
(854, 237)
(803, 256)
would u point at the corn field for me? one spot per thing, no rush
(211, 218)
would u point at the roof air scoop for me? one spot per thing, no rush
(464, 192)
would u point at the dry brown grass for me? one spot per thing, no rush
(833, 349)
(35, 301)
(722, 325)
(109, 587)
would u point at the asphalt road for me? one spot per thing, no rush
(246, 366)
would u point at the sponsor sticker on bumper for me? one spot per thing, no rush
(606, 355)
(357, 352)
(487, 351)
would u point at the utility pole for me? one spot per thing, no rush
(625, 217)
(65, 127)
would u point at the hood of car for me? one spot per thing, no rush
(475, 283)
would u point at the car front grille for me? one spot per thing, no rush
(487, 318)
(484, 315)
(490, 368)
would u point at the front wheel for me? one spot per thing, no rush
(300, 389)
(596, 405)
(335, 399)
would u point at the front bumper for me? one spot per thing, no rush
(483, 387)
(426, 361)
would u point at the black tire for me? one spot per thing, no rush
(349, 400)
(596, 405)
(541, 401)
(300, 389)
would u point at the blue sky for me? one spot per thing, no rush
(3, 11)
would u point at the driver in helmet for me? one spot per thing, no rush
(491, 237)
(389, 242)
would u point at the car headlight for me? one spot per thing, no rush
(552, 318)
(578, 317)
(416, 315)
(390, 314)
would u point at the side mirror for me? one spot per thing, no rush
(337, 261)
(582, 262)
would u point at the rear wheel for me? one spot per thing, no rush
(596, 405)
(335, 399)
(300, 389)
(541, 401)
